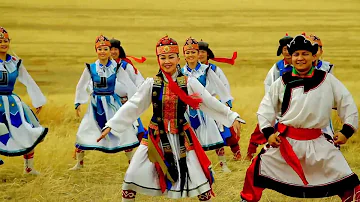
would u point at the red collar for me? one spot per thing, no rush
(285, 62)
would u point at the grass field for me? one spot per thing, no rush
(56, 38)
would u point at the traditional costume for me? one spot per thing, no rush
(277, 70)
(306, 164)
(104, 103)
(126, 63)
(228, 134)
(206, 128)
(319, 64)
(327, 67)
(20, 130)
(169, 161)
(136, 77)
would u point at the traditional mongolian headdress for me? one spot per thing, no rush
(102, 41)
(283, 42)
(205, 46)
(168, 45)
(315, 39)
(301, 42)
(115, 43)
(190, 44)
(3, 33)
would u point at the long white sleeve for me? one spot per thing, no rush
(269, 106)
(346, 107)
(223, 78)
(271, 77)
(137, 78)
(132, 109)
(210, 105)
(219, 87)
(37, 97)
(125, 82)
(82, 95)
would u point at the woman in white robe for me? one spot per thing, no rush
(206, 128)
(170, 161)
(20, 130)
(230, 139)
(104, 102)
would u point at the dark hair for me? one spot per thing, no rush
(117, 44)
(205, 46)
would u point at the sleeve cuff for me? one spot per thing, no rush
(240, 120)
(268, 132)
(77, 105)
(347, 130)
(229, 103)
(102, 130)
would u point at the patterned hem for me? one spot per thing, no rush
(333, 188)
(27, 150)
(105, 149)
(217, 145)
(174, 194)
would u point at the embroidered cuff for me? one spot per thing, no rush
(77, 105)
(347, 130)
(268, 132)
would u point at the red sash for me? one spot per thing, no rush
(286, 149)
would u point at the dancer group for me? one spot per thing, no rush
(192, 113)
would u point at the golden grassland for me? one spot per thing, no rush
(55, 39)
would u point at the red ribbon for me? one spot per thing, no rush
(286, 149)
(291, 159)
(162, 180)
(203, 159)
(191, 100)
(226, 60)
(142, 60)
(138, 60)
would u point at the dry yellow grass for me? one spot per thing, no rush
(55, 39)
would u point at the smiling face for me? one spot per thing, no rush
(115, 53)
(4, 45)
(168, 62)
(103, 52)
(203, 56)
(285, 53)
(191, 56)
(302, 60)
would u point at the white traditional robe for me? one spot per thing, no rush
(141, 175)
(89, 129)
(306, 105)
(208, 132)
(20, 130)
